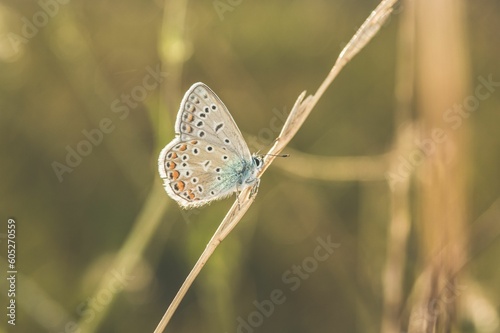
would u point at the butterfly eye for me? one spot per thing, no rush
(256, 161)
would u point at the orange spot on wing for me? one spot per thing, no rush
(180, 185)
(174, 175)
(183, 147)
(171, 165)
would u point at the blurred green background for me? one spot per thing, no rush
(102, 248)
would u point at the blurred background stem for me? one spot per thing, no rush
(400, 209)
(442, 82)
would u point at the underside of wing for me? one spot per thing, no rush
(196, 172)
(202, 115)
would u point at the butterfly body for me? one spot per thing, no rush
(208, 159)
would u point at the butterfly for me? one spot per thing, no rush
(208, 159)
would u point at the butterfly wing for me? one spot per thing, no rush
(202, 115)
(205, 160)
(196, 172)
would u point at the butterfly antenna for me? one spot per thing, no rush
(281, 155)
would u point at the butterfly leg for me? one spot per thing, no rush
(255, 188)
(238, 199)
(238, 196)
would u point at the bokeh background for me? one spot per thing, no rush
(102, 248)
